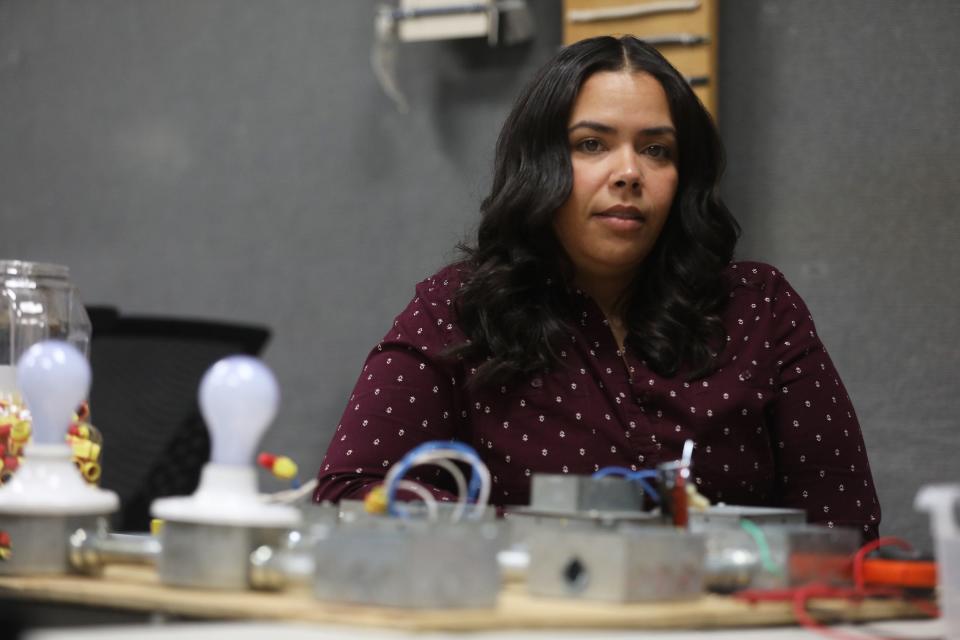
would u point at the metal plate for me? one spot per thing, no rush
(410, 564)
(631, 564)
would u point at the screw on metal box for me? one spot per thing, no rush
(208, 537)
(410, 564)
(630, 564)
(47, 499)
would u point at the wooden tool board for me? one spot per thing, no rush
(693, 61)
(138, 589)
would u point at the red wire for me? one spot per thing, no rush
(809, 622)
(868, 548)
(925, 606)
(801, 595)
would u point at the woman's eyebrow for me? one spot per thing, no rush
(591, 124)
(660, 131)
(605, 128)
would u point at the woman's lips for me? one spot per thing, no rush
(621, 218)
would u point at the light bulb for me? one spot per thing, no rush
(238, 399)
(54, 379)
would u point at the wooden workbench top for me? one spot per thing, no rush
(138, 589)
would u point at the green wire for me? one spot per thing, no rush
(766, 559)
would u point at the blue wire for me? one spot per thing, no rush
(641, 477)
(648, 488)
(610, 471)
(435, 445)
(638, 476)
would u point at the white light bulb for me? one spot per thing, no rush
(238, 399)
(54, 379)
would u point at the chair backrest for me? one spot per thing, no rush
(146, 373)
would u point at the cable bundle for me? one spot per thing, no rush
(799, 596)
(441, 454)
(637, 476)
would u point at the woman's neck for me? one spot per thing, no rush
(608, 293)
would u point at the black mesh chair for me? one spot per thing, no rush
(146, 374)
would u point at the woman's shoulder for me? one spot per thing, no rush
(435, 297)
(443, 284)
(758, 285)
(429, 323)
(757, 276)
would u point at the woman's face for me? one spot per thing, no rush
(623, 148)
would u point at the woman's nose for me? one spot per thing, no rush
(626, 175)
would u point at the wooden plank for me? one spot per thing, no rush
(692, 61)
(137, 588)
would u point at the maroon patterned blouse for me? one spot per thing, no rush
(773, 425)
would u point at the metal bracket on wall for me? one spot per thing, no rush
(502, 22)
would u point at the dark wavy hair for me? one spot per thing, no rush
(515, 301)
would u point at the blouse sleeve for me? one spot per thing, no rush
(406, 395)
(820, 456)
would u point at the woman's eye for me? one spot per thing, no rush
(590, 145)
(657, 151)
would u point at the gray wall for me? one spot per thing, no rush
(840, 120)
(236, 160)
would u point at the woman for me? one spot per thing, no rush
(598, 321)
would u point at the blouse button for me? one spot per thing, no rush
(536, 383)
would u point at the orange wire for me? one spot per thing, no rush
(801, 595)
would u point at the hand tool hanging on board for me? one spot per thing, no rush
(635, 10)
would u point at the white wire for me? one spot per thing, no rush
(290, 495)
(481, 470)
(439, 457)
(442, 460)
(433, 513)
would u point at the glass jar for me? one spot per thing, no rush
(37, 302)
